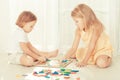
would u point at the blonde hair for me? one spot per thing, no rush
(24, 17)
(85, 12)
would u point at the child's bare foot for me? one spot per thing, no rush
(53, 53)
(50, 54)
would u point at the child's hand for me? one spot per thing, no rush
(67, 56)
(81, 64)
(42, 59)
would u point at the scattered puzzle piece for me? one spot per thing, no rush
(55, 63)
(42, 73)
(18, 76)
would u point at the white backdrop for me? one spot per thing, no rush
(55, 27)
(114, 24)
(45, 34)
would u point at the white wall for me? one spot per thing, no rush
(4, 26)
(114, 24)
(46, 29)
(45, 34)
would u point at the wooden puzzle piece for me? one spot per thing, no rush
(55, 63)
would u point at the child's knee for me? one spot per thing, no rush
(27, 61)
(103, 61)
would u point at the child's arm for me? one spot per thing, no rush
(95, 35)
(41, 53)
(27, 51)
(74, 47)
(35, 50)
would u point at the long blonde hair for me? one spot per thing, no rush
(89, 17)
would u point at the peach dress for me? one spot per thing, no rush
(103, 47)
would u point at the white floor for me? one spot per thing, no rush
(14, 72)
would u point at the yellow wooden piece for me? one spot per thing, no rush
(18, 76)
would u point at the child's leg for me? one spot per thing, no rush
(52, 54)
(27, 60)
(103, 58)
(103, 61)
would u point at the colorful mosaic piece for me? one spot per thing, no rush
(53, 74)
(55, 63)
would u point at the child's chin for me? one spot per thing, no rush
(28, 31)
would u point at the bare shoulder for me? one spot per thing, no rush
(97, 30)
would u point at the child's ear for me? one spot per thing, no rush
(23, 24)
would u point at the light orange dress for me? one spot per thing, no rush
(103, 47)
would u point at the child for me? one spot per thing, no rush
(97, 48)
(24, 53)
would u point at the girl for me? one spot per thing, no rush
(97, 48)
(24, 53)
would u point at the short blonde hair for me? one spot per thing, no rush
(24, 17)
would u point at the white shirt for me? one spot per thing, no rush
(18, 36)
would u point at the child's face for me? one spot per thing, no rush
(79, 22)
(29, 26)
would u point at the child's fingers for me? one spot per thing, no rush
(66, 57)
(80, 64)
(36, 63)
(42, 59)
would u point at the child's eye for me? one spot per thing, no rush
(76, 21)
